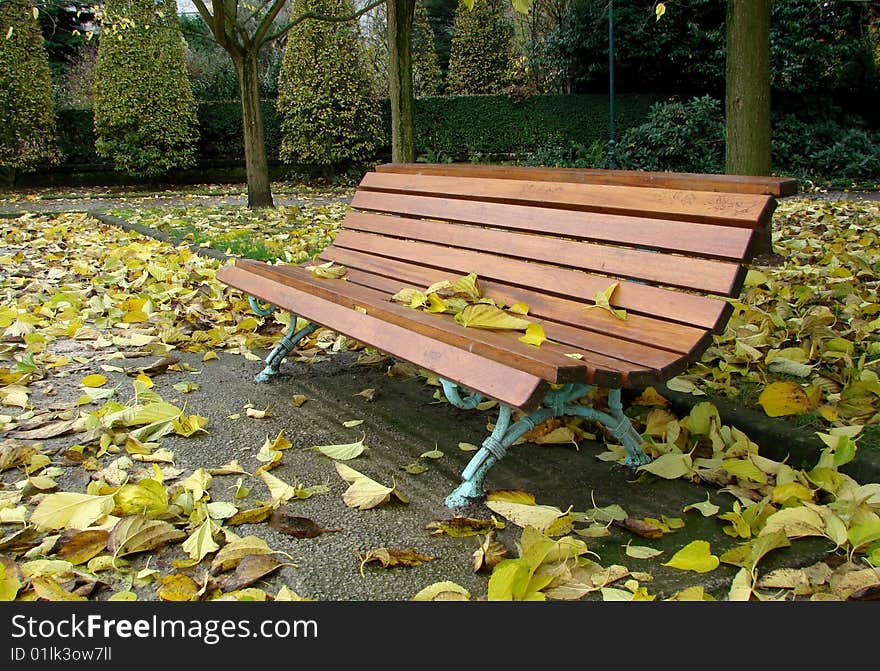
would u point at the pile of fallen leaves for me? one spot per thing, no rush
(805, 334)
(290, 234)
(78, 297)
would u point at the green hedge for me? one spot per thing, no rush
(470, 126)
(457, 127)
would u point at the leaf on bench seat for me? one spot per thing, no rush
(328, 271)
(603, 300)
(485, 316)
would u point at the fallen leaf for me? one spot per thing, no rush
(249, 570)
(131, 535)
(365, 493)
(695, 556)
(390, 557)
(458, 527)
(784, 398)
(233, 552)
(443, 591)
(490, 553)
(70, 510)
(81, 546)
(342, 452)
(300, 527)
(177, 587)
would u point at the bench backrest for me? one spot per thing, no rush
(779, 187)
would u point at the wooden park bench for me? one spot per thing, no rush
(674, 244)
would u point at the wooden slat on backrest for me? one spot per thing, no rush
(685, 308)
(725, 242)
(755, 184)
(749, 211)
(718, 277)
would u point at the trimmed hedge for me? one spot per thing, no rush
(447, 127)
(463, 127)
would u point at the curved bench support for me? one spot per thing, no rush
(557, 403)
(288, 340)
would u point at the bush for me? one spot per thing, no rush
(838, 152)
(329, 112)
(482, 49)
(680, 136)
(27, 111)
(145, 113)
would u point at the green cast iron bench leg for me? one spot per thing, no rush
(288, 340)
(557, 403)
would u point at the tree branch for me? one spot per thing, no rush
(324, 17)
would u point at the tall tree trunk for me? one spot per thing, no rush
(400, 79)
(747, 99)
(258, 185)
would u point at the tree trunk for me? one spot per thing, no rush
(747, 100)
(257, 166)
(400, 79)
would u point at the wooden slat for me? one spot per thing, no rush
(718, 277)
(751, 211)
(666, 364)
(490, 378)
(770, 186)
(685, 308)
(548, 361)
(726, 242)
(677, 339)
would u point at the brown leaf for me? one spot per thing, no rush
(641, 528)
(251, 516)
(490, 552)
(80, 546)
(249, 570)
(368, 394)
(48, 431)
(20, 541)
(389, 557)
(300, 527)
(14, 453)
(463, 526)
(158, 366)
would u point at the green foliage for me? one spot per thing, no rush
(145, 113)
(329, 113)
(686, 136)
(27, 113)
(815, 47)
(482, 49)
(426, 70)
(831, 149)
(468, 127)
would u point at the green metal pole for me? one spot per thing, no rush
(611, 157)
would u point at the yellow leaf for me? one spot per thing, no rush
(363, 492)
(603, 300)
(784, 398)
(534, 335)
(328, 271)
(660, 10)
(96, 380)
(201, 542)
(486, 316)
(70, 510)
(145, 379)
(695, 556)
(467, 285)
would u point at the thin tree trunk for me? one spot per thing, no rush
(400, 80)
(257, 165)
(747, 99)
